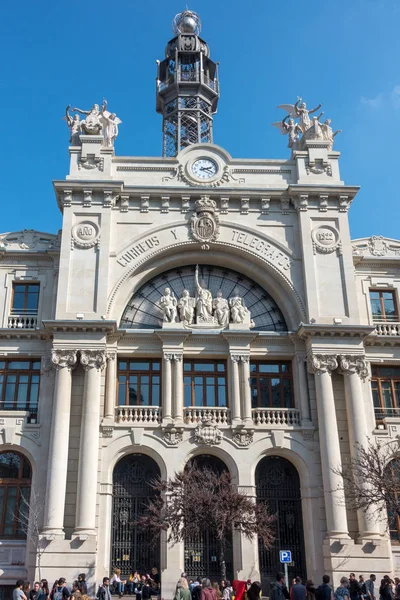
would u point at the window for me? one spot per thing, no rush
(384, 305)
(393, 471)
(204, 383)
(19, 386)
(15, 486)
(271, 384)
(385, 384)
(25, 299)
(139, 383)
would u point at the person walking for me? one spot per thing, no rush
(278, 589)
(385, 590)
(254, 591)
(370, 587)
(103, 593)
(182, 590)
(324, 591)
(82, 583)
(342, 592)
(298, 591)
(207, 592)
(354, 587)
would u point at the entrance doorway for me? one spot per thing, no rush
(133, 549)
(202, 551)
(278, 484)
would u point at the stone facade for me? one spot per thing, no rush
(282, 224)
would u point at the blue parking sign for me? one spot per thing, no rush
(285, 556)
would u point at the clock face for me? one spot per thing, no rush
(204, 168)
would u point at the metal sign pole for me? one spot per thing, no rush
(286, 575)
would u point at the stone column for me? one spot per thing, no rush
(177, 412)
(111, 385)
(322, 366)
(246, 391)
(167, 388)
(235, 390)
(354, 369)
(93, 361)
(53, 523)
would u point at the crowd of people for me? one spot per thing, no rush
(148, 585)
(350, 588)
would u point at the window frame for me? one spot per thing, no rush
(151, 372)
(30, 372)
(215, 374)
(281, 375)
(382, 411)
(383, 318)
(29, 312)
(19, 483)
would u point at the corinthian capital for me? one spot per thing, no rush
(353, 363)
(321, 363)
(93, 359)
(173, 356)
(235, 357)
(63, 359)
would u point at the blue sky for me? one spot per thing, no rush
(343, 53)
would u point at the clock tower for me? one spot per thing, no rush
(187, 88)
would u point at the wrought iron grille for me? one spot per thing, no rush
(6, 592)
(143, 310)
(132, 548)
(278, 484)
(202, 557)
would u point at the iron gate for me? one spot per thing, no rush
(202, 552)
(133, 549)
(278, 484)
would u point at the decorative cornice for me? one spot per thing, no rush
(81, 326)
(351, 364)
(63, 358)
(306, 331)
(322, 363)
(93, 359)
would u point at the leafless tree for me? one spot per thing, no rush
(371, 479)
(198, 499)
(29, 519)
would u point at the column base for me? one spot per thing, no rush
(167, 421)
(237, 422)
(52, 534)
(83, 534)
(367, 537)
(248, 423)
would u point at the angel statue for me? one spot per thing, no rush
(91, 125)
(75, 127)
(328, 133)
(289, 126)
(110, 125)
(300, 111)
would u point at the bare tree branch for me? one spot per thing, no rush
(198, 499)
(29, 518)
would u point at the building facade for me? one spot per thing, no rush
(282, 354)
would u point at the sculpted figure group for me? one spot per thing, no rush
(203, 309)
(307, 128)
(98, 121)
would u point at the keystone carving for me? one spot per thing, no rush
(172, 436)
(243, 438)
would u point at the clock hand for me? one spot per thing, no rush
(205, 168)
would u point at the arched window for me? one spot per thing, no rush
(393, 472)
(15, 487)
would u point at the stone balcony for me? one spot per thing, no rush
(22, 322)
(263, 418)
(387, 329)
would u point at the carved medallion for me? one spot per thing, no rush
(207, 433)
(243, 438)
(326, 239)
(85, 234)
(204, 223)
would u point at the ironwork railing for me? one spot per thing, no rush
(289, 417)
(22, 321)
(138, 414)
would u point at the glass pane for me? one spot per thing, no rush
(268, 368)
(122, 366)
(2, 365)
(19, 365)
(387, 395)
(156, 366)
(198, 391)
(26, 469)
(210, 391)
(155, 392)
(19, 297)
(11, 504)
(376, 307)
(145, 390)
(32, 300)
(287, 393)
(264, 391)
(374, 295)
(208, 367)
(276, 393)
(36, 365)
(133, 390)
(253, 367)
(22, 396)
(121, 391)
(396, 386)
(139, 366)
(388, 301)
(375, 394)
(285, 368)
(10, 391)
(221, 391)
(187, 391)
(253, 392)
(9, 465)
(221, 367)
(187, 366)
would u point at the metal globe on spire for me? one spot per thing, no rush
(186, 22)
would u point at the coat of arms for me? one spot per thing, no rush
(204, 223)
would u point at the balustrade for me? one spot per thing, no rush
(202, 414)
(289, 417)
(22, 322)
(138, 414)
(387, 328)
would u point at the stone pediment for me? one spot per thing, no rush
(29, 240)
(376, 246)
